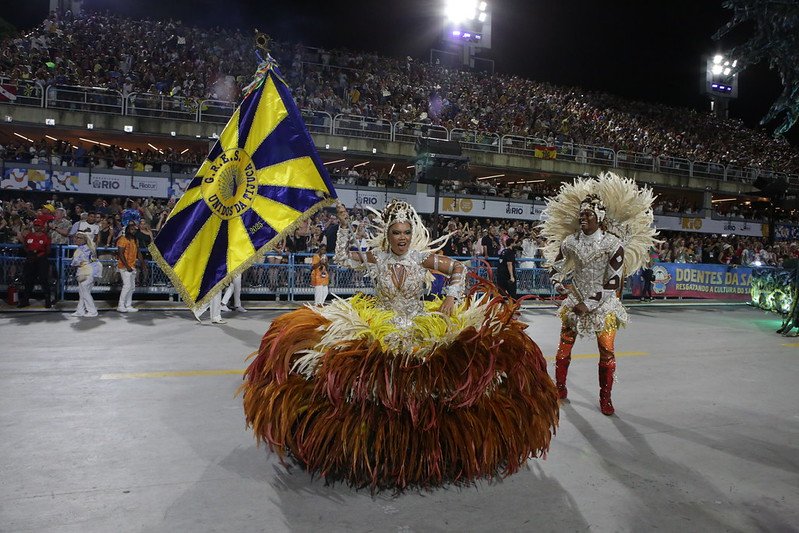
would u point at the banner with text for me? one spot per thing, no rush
(474, 207)
(719, 282)
(710, 225)
(69, 181)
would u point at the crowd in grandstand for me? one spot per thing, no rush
(105, 218)
(370, 177)
(169, 58)
(101, 156)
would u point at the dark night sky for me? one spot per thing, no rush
(644, 50)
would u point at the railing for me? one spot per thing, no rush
(481, 141)
(673, 165)
(707, 169)
(26, 93)
(635, 160)
(218, 111)
(408, 132)
(160, 106)
(286, 275)
(516, 144)
(362, 127)
(586, 154)
(75, 98)
(318, 121)
(100, 100)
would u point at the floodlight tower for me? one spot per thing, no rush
(467, 28)
(720, 83)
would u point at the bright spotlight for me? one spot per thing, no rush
(735, 63)
(717, 69)
(717, 59)
(727, 71)
(459, 10)
(483, 6)
(482, 17)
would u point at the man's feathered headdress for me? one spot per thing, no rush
(624, 209)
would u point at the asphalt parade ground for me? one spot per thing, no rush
(131, 423)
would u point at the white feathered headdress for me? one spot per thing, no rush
(401, 211)
(628, 215)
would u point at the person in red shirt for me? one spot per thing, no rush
(36, 244)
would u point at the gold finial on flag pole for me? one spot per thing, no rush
(262, 41)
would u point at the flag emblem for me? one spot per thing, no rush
(261, 179)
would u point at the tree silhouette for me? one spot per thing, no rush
(775, 37)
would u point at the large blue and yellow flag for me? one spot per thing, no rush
(261, 179)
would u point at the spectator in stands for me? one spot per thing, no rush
(92, 50)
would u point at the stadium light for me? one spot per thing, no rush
(459, 10)
(717, 69)
(717, 59)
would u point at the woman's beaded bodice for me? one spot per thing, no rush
(400, 284)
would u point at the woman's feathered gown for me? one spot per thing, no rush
(383, 391)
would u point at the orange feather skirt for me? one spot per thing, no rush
(478, 404)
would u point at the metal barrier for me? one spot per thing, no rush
(635, 160)
(707, 169)
(160, 106)
(216, 111)
(26, 93)
(408, 132)
(76, 98)
(482, 141)
(516, 144)
(317, 121)
(279, 276)
(673, 165)
(363, 127)
(586, 154)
